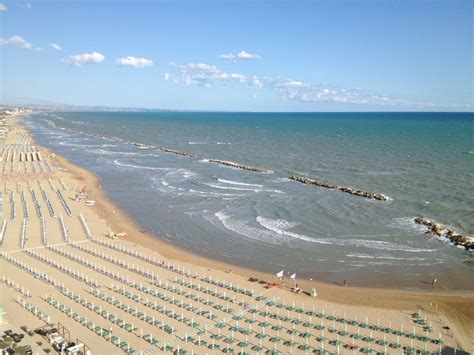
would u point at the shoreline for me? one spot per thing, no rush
(120, 221)
(455, 306)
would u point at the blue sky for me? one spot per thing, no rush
(240, 55)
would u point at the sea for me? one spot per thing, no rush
(422, 161)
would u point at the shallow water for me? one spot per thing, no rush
(268, 222)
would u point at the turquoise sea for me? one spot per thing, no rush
(422, 161)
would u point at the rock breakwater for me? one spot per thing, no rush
(442, 231)
(239, 166)
(140, 145)
(349, 190)
(177, 152)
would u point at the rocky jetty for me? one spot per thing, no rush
(442, 231)
(239, 166)
(140, 145)
(184, 154)
(349, 190)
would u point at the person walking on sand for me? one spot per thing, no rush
(433, 282)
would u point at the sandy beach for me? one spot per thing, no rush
(134, 292)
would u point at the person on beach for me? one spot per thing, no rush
(345, 283)
(433, 282)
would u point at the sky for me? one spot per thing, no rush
(231, 55)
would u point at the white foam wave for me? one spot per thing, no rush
(117, 162)
(281, 227)
(213, 194)
(241, 188)
(407, 223)
(69, 144)
(281, 180)
(221, 143)
(364, 256)
(244, 229)
(165, 183)
(112, 153)
(238, 183)
(198, 142)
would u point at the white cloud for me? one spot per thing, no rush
(24, 5)
(55, 46)
(39, 49)
(307, 92)
(246, 55)
(227, 56)
(79, 60)
(201, 74)
(256, 82)
(15, 41)
(134, 62)
(241, 55)
(3, 7)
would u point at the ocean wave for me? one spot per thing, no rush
(108, 152)
(296, 172)
(407, 223)
(68, 144)
(117, 162)
(281, 227)
(198, 142)
(222, 143)
(178, 176)
(377, 244)
(214, 194)
(51, 123)
(182, 173)
(280, 180)
(238, 183)
(243, 228)
(165, 183)
(364, 256)
(191, 192)
(241, 188)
